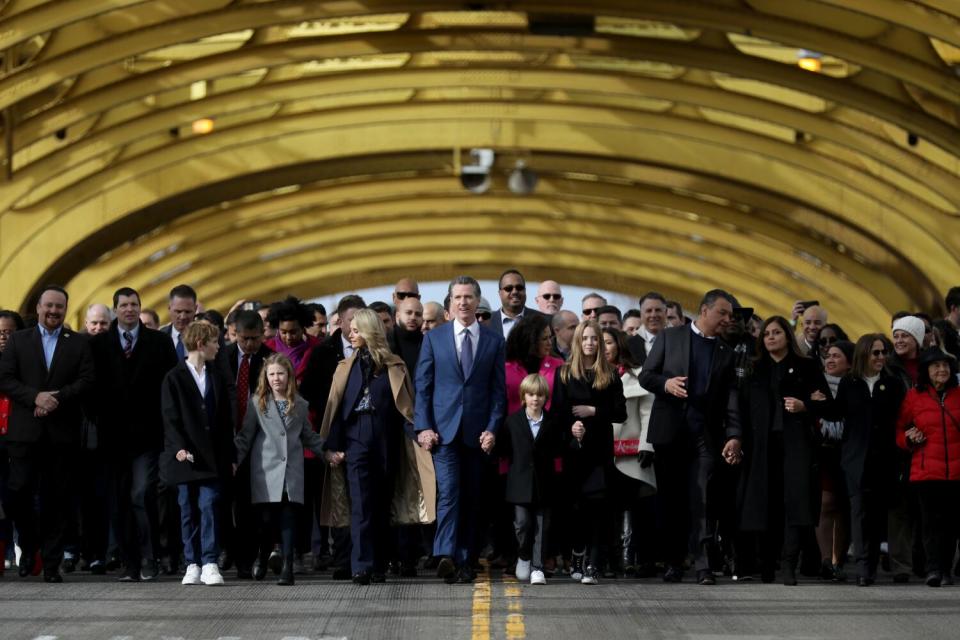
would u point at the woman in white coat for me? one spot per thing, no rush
(633, 457)
(274, 434)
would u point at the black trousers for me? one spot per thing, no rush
(684, 473)
(44, 468)
(137, 477)
(941, 524)
(868, 515)
(368, 469)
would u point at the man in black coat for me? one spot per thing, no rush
(243, 361)
(695, 419)
(131, 362)
(407, 334)
(46, 372)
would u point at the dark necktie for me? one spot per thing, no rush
(181, 350)
(127, 344)
(243, 389)
(466, 354)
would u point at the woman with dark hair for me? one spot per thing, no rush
(291, 318)
(528, 351)
(929, 427)
(829, 334)
(780, 486)
(587, 400)
(833, 532)
(633, 459)
(867, 401)
(908, 334)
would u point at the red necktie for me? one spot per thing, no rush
(243, 389)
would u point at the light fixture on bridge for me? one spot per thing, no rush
(202, 126)
(522, 180)
(476, 177)
(810, 60)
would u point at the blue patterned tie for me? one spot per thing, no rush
(181, 350)
(466, 354)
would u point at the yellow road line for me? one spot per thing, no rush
(515, 629)
(481, 605)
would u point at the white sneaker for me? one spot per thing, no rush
(193, 575)
(523, 570)
(537, 577)
(211, 575)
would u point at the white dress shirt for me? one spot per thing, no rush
(474, 330)
(200, 377)
(648, 337)
(508, 322)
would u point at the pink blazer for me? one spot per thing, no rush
(515, 375)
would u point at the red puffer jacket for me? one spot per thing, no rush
(939, 457)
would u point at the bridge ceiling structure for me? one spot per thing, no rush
(679, 146)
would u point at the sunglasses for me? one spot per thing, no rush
(591, 312)
(484, 316)
(878, 352)
(551, 296)
(510, 288)
(403, 295)
(828, 340)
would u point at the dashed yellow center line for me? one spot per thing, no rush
(515, 629)
(482, 590)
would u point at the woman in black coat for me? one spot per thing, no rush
(780, 486)
(198, 447)
(587, 400)
(868, 401)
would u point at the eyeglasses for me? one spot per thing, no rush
(591, 312)
(878, 352)
(828, 340)
(551, 296)
(402, 295)
(510, 288)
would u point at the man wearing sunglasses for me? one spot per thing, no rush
(406, 288)
(592, 303)
(549, 298)
(513, 300)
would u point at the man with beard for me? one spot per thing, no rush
(406, 337)
(45, 371)
(513, 300)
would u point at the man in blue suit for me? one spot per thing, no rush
(461, 399)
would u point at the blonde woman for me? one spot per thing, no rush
(274, 434)
(368, 431)
(587, 400)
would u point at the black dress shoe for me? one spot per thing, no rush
(789, 576)
(378, 577)
(26, 564)
(149, 570)
(934, 579)
(98, 568)
(341, 573)
(286, 573)
(361, 577)
(705, 578)
(53, 576)
(673, 574)
(446, 570)
(275, 562)
(225, 561)
(260, 568)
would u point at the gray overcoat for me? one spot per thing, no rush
(276, 451)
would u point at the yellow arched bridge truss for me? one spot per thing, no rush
(679, 146)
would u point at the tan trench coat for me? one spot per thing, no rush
(415, 490)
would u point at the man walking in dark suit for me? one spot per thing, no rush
(131, 362)
(513, 301)
(695, 419)
(243, 360)
(45, 371)
(461, 399)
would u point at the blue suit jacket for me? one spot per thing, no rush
(446, 402)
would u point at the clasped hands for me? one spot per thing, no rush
(45, 403)
(428, 439)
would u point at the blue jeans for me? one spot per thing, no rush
(198, 520)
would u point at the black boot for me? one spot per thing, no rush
(260, 569)
(286, 572)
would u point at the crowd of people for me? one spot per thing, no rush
(394, 438)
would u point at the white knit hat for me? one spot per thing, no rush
(912, 325)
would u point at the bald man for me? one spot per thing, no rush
(406, 288)
(549, 297)
(811, 322)
(97, 319)
(433, 316)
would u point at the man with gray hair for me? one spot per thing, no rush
(549, 297)
(592, 303)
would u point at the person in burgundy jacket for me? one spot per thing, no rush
(929, 426)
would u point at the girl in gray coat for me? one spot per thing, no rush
(274, 435)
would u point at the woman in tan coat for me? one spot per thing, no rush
(376, 469)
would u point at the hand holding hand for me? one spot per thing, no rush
(47, 401)
(578, 430)
(817, 396)
(184, 456)
(584, 411)
(487, 440)
(732, 452)
(794, 405)
(676, 386)
(428, 439)
(915, 436)
(334, 458)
